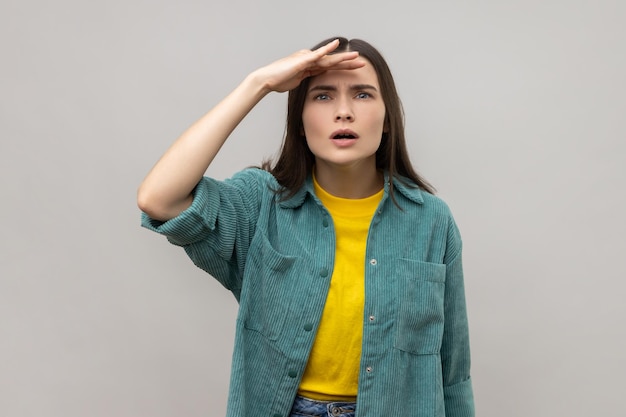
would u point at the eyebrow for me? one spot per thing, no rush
(353, 87)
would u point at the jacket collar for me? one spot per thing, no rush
(412, 194)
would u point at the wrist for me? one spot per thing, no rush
(256, 84)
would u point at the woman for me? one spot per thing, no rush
(346, 267)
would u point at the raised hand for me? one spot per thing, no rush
(287, 73)
(167, 189)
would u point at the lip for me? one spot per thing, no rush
(344, 132)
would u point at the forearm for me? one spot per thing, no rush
(166, 190)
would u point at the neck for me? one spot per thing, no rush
(349, 182)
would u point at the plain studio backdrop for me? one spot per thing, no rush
(515, 111)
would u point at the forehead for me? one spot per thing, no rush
(364, 75)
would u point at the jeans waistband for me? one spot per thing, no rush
(303, 406)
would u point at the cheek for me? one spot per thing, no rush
(382, 120)
(310, 120)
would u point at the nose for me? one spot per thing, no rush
(343, 111)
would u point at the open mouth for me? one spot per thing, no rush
(344, 134)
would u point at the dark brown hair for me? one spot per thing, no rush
(296, 160)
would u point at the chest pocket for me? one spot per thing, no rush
(420, 314)
(268, 288)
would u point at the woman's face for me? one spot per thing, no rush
(343, 117)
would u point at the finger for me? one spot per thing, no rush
(344, 65)
(346, 60)
(308, 57)
(352, 64)
(321, 60)
(326, 49)
(334, 59)
(323, 52)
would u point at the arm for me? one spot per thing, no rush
(455, 351)
(167, 189)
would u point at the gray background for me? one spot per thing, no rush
(515, 111)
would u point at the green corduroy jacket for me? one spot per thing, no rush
(276, 257)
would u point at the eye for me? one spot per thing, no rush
(321, 97)
(363, 95)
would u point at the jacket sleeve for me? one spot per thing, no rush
(217, 228)
(455, 350)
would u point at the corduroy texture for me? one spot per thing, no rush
(277, 259)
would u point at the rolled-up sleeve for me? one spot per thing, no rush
(216, 229)
(196, 222)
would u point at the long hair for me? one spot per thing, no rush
(295, 161)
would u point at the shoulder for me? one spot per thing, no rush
(249, 181)
(436, 203)
(423, 200)
(425, 205)
(252, 175)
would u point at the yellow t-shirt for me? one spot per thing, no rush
(333, 368)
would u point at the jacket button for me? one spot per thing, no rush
(368, 369)
(325, 223)
(372, 318)
(292, 373)
(308, 327)
(324, 273)
(373, 262)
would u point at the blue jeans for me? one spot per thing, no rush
(306, 407)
